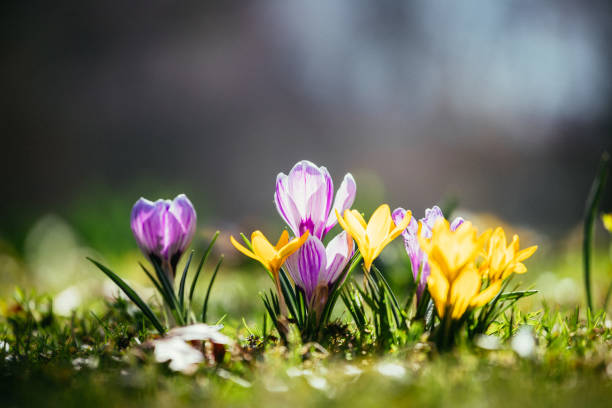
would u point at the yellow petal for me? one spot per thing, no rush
(464, 288)
(520, 268)
(354, 226)
(359, 217)
(262, 247)
(379, 225)
(526, 253)
(486, 295)
(282, 241)
(243, 249)
(293, 245)
(437, 285)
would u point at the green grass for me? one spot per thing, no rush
(104, 359)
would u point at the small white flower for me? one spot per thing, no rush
(317, 382)
(182, 356)
(393, 370)
(89, 362)
(524, 342)
(487, 342)
(351, 370)
(200, 332)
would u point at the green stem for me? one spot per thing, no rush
(592, 204)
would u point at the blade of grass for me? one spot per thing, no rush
(181, 294)
(155, 282)
(210, 284)
(592, 204)
(201, 264)
(130, 293)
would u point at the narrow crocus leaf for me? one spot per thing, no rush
(168, 288)
(130, 293)
(210, 284)
(516, 295)
(181, 294)
(155, 282)
(201, 264)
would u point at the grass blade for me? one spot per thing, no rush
(210, 284)
(592, 204)
(155, 282)
(201, 264)
(130, 293)
(181, 294)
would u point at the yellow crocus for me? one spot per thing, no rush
(501, 260)
(454, 282)
(607, 221)
(373, 236)
(272, 257)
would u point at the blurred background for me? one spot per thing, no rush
(502, 106)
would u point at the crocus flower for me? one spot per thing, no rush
(164, 229)
(418, 259)
(315, 268)
(454, 282)
(272, 257)
(373, 236)
(304, 198)
(502, 260)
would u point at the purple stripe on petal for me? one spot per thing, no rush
(307, 264)
(285, 204)
(315, 211)
(431, 216)
(456, 223)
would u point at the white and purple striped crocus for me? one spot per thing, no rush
(304, 198)
(315, 268)
(164, 229)
(418, 259)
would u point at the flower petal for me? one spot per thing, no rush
(338, 253)
(262, 247)
(431, 216)
(456, 223)
(463, 289)
(526, 253)
(379, 225)
(143, 209)
(285, 205)
(311, 260)
(184, 212)
(345, 196)
(243, 249)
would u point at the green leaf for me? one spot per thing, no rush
(146, 310)
(181, 294)
(592, 204)
(155, 282)
(516, 295)
(210, 284)
(202, 262)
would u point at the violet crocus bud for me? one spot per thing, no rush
(164, 229)
(304, 198)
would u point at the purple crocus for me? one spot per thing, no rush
(304, 198)
(315, 268)
(164, 229)
(418, 259)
